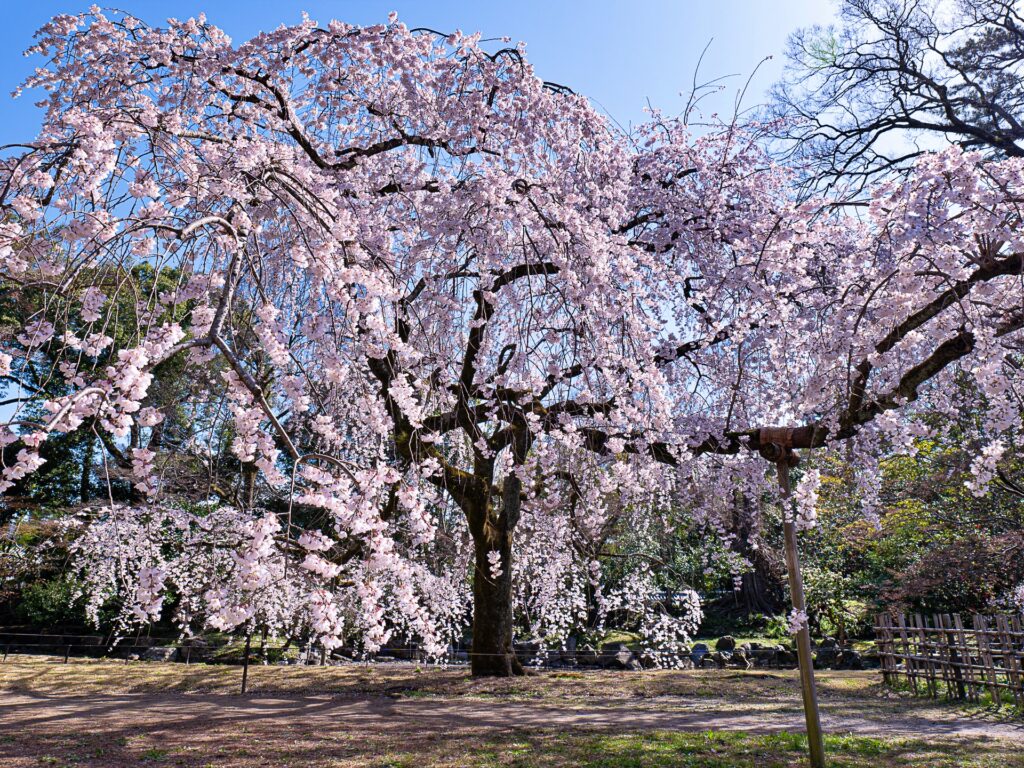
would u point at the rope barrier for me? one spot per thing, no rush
(344, 650)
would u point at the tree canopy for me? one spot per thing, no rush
(400, 298)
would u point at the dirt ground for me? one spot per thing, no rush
(112, 714)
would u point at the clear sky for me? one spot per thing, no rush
(620, 53)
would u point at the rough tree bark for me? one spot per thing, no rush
(493, 654)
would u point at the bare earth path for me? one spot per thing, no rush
(177, 712)
(353, 717)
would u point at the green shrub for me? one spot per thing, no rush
(52, 602)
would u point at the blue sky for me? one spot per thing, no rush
(617, 52)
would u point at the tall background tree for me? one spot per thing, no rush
(896, 79)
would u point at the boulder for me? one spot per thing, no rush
(785, 657)
(196, 649)
(697, 654)
(827, 655)
(160, 653)
(527, 652)
(617, 656)
(741, 660)
(568, 654)
(586, 656)
(726, 643)
(849, 659)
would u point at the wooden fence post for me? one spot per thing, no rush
(1010, 661)
(985, 650)
(942, 651)
(955, 660)
(908, 657)
(924, 652)
(883, 641)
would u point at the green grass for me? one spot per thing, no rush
(632, 639)
(717, 749)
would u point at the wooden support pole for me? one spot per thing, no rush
(808, 690)
(776, 445)
(245, 662)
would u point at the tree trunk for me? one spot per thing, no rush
(493, 654)
(761, 589)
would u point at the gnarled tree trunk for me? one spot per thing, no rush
(493, 654)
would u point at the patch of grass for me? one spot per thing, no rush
(718, 749)
(632, 639)
(414, 694)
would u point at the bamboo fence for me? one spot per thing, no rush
(939, 656)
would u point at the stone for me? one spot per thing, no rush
(827, 656)
(850, 659)
(700, 650)
(160, 653)
(526, 652)
(586, 656)
(567, 655)
(616, 656)
(741, 660)
(785, 657)
(196, 649)
(726, 643)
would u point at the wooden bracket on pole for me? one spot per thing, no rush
(776, 445)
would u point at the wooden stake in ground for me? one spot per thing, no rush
(776, 446)
(245, 662)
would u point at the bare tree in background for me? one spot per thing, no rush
(896, 78)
